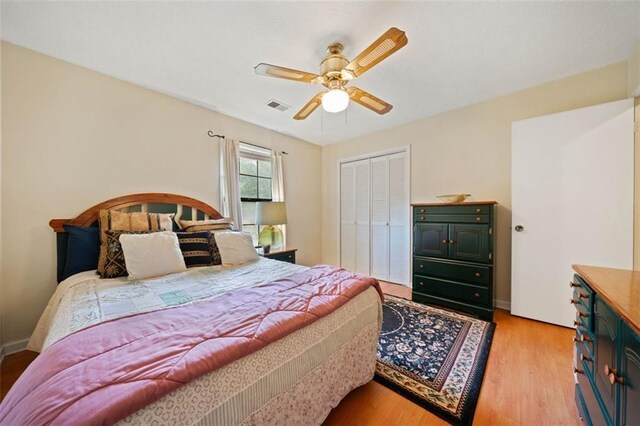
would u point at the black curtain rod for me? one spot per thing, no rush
(212, 135)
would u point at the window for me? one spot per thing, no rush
(255, 184)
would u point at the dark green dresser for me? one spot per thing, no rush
(607, 345)
(453, 256)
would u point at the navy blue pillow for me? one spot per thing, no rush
(83, 249)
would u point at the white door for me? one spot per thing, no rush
(380, 217)
(362, 217)
(399, 241)
(348, 216)
(572, 203)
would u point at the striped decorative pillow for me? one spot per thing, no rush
(206, 225)
(137, 221)
(199, 249)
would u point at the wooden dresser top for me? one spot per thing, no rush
(465, 203)
(620, 288)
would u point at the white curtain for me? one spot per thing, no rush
(277, 185)
(230, 181)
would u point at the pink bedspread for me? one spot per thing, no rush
(106, 372)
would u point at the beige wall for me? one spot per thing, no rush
(73, 137)
(1, 345)
(636, 197)
(469, 150)
(634, 73)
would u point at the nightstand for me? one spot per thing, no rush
(286, 255)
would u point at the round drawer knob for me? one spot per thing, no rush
(577, 370)
(478, 219)
(477, 274)
(421, 217)
(444, 241)
(583, 357)
(477, 294)
(572, 284)
(421, 284)
(421, 210)
(421, 266)
(614, 378)
(478, 210)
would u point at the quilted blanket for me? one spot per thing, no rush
(103, 373)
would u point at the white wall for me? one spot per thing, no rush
(469, 150)
(73, 137)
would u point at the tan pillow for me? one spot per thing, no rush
(206, 225)
(138, 221)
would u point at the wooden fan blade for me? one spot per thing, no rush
(309, 107)
(386, 45)
(286, 73)
(367, 100)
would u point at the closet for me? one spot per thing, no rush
(374, 216)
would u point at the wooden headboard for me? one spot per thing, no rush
(184, 208)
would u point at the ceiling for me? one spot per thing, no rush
(204, 52)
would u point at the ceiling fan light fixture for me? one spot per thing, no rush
(335, 100)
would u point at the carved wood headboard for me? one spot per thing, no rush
(184, 208)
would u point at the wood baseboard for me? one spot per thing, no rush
(503, 304)
(13, 347)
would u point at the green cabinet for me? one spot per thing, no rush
(431, 240)
(606, 334)
(607, 361)
(469, 242)
(453, 256)
(630, 386)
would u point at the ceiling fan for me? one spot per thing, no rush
(336, 72)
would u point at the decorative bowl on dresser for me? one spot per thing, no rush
(453, 256)
(607, 345)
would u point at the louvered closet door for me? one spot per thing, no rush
(362, 216)
(348, 216)
(399, 242)
(380, 217)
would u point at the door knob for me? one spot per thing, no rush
(519, 228)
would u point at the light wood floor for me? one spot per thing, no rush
(528, 381)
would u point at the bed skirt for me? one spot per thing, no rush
(296, 380)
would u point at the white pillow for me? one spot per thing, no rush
(152, 255)
(235, 248)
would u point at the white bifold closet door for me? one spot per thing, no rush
(348, 216)
(354, 216)
(374, 217)
(380, 218)
(362, 217)
(399, 241)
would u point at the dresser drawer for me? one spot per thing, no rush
(584, 316)
(453, 209)
(451, 290)
(452, 218)
(582, 294)
(284, 257)
(584, 353)
(481, 275)
(594, 409)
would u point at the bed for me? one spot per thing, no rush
(296, 378)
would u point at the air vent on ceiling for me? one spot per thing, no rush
(277, 105)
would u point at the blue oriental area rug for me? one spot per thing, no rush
(434, 357)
